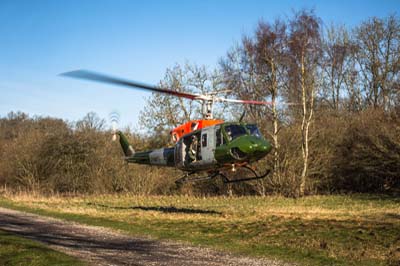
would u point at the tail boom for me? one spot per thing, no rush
(160, 157)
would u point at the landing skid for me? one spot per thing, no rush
(218, 173)
(226, 180)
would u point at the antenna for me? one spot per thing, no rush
(114, 118)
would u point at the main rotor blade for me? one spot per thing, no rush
(253, 102)
(93, 76)
(244, 101)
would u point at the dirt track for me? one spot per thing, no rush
(100, 246)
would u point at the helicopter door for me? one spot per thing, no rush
(207, 145)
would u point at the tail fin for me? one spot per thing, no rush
(126, 147)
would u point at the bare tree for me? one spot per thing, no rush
(353, 81)
(254, 69)
(269, 49)
(239, 75)
(378, 42)
(305, 54)
(91, 121)
(336, 64)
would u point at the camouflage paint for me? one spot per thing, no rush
(244, 148)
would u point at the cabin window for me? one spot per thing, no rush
(234, 131)
(204, 140)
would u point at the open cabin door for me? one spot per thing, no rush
(196, 150)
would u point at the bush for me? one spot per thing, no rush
(368, 159)
(353, 152)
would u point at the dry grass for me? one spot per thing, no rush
(318, 230)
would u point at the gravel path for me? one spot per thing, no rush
(101, 246)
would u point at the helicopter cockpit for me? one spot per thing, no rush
(236, 130)
(233, 131)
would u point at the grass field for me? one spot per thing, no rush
(317, 230)
(18, 251)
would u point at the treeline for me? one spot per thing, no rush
(350, 153)
(333, 119)
(49, 156)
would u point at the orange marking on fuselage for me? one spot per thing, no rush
(192, 125)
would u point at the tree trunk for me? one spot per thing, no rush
(274, 92)
(305, 126)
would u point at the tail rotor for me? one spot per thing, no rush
(114, 118)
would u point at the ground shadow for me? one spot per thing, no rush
(98, 245)
(169, 209)
(393, 215)
(394, 198)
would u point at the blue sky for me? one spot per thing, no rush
(133, 39)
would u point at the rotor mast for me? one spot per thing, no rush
(208, 109)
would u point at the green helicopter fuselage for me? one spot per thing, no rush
(209, 148)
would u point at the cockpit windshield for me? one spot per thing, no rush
(254, 131)
(234, 131)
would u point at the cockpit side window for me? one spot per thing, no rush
(254, 131)
(218, 137)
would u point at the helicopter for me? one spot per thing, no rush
(208, 145)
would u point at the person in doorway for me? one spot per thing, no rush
(193, 148)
